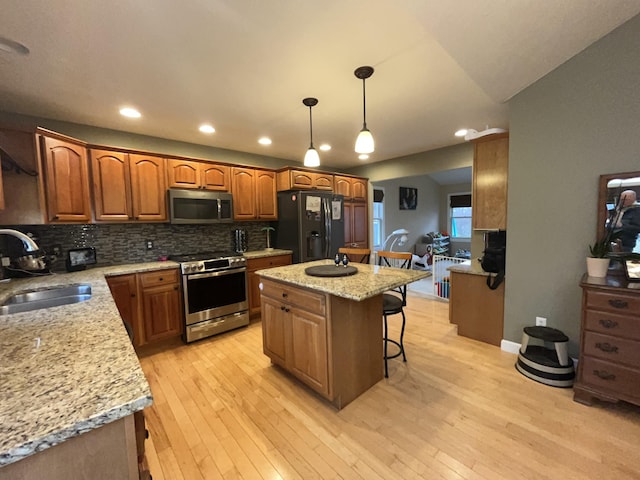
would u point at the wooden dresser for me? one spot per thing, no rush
(609, 366)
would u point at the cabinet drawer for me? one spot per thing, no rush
(306, 300)
(613, 302)
(610, 377)
(159, 277)
(612, 324)
(268, 262)
(614, 349)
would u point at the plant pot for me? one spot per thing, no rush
(597, 267)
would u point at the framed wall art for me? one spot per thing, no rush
(408, 198)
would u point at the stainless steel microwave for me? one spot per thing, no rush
(200, 206)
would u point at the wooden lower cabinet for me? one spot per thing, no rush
(356, 229)
(105, 453)
(253, 280)
(477, 310)
(151, 302)
(609, 366)
(331, 344)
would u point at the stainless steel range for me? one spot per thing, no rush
(214, 287)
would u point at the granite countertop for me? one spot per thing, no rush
(266, 253)
(66, 370)
(370, 280)
(472, 268)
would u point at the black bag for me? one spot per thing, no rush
(493, 261)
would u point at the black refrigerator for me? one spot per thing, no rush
(310, 223)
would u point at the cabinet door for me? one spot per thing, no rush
(161, 312)
(148, 188)
(123, 290)
(308, 358)
(323, 181)
(490, 168)
(214, 177)
(348, 225)
(183, 173)
(274, 327)
(359, 189)
(253, 280)
(360, 230)
(111, 185)
(301, 179)
(267, 203)
(66, 182)
(342, 186)
(243, 183)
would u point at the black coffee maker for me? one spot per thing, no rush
(240, 240)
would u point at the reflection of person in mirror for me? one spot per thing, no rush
(629, 220)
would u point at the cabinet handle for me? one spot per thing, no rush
(133, 295)
(618, 303)
(175, 287)
(161, 279)
(282, 308)
(286, 310)
(285, 295)
(606, 323)
(604, 375)
(607, 347)
(146, 433)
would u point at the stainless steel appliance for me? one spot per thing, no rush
(200, 206)
(214, 287)
(311, 224)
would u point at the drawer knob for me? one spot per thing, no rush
(606, 323)
(616, 303)
(286, 310)
(284, 295)
(604, 375)
(282, 308)
(607, 347)
(161, 279)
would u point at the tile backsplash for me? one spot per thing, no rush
(126, 243)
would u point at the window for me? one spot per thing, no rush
(460, 215)
(378, 218)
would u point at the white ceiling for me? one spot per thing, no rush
(246, 65)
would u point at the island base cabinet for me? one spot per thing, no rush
(331, 344)
(105, 453)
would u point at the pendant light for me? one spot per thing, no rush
(364, 142)
(311, 158)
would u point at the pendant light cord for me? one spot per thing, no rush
(310, 129)
(364, 106)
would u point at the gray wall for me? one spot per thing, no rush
(578, 122)
(424, 219)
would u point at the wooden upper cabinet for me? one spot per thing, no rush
(66, 180)
(111, 185)
(243, 188)
(351, 188)
(356, 231)
(266, 198)
(291, 179)
(193, 174)
(148, 187)
(490, 170)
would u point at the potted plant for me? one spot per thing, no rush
(598, 262)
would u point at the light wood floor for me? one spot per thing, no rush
(457, 409)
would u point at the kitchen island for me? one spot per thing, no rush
(327, 331)
(71, 383)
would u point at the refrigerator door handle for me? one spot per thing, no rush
(327, 226)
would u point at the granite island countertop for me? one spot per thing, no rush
(370, 280)
(66, 370)
(471, 268)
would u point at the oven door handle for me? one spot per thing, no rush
(220, 273)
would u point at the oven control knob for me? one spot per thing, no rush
(200, 266)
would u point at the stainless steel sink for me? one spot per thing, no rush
(45, 298)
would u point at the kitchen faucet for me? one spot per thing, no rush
(29, 244)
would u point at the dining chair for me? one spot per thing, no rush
(357, 255)
(393, 302)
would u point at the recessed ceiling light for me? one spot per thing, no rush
(206, 128)
(325, 147)
(363, 156)
(461, 133)
(12, 46)
(264, 141)
(130, 112)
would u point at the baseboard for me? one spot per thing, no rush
(509, 346)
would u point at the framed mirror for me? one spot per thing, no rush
(611, 187)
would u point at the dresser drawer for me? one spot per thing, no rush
(304, 299)
(610, 377)
(158, 277)
(613, 302)
(612, 324)
(614, 349)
